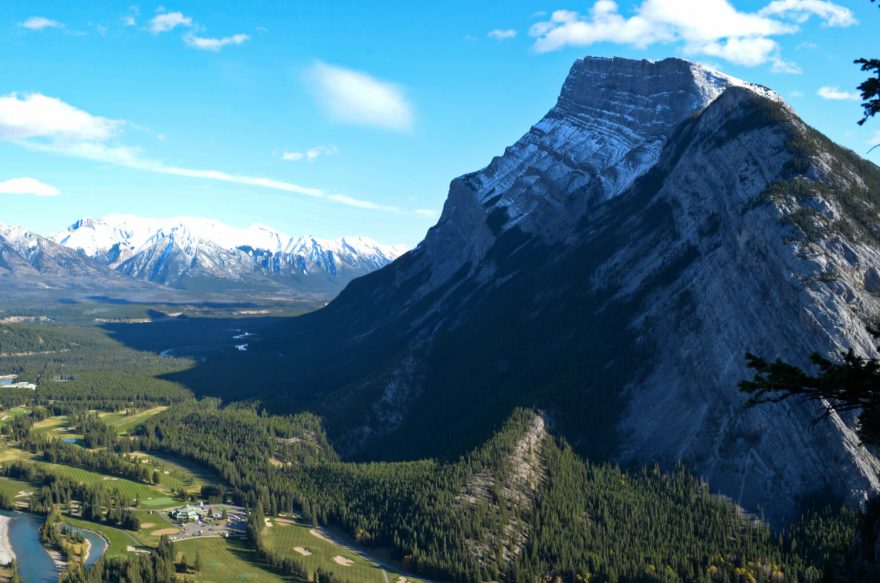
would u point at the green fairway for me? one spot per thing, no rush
(125, 421)
(314, 551)
(226, 561)
(9, 414)
(178, 474)
(13, 487)
(119, 540)
(151, 495)
(159, 502)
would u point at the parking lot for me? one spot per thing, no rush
(209, 522)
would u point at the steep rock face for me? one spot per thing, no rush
(192, 252)
(28, 260)
(612, 268)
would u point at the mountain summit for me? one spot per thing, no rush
(612, 268)
(187, 252)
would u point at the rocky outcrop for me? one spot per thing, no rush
(613, 267)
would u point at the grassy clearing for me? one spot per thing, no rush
(119, 540)
(11, 454)
(126, 488)
(180, 474)
(125, 421)
(226, 560)
(9, 414)
(150, 523)
(297, 541)
(13, 487)
(51, 425)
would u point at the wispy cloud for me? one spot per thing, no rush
(708, 27)
(39, 23)
(27, 186)
(875, 141)
(311, 154)
(835, 94)
(34, 115)
(502, 34)
(213, 44)
(358, 98)
(167, 21)
(47, 124)
(130, 19)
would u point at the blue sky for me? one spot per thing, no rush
(350, 118)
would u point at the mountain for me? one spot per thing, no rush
(612, 268)
(195, 253)
(29, 261)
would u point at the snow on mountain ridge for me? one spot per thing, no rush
(179, 250)
(95, 235)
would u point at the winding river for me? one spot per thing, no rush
(34, 563)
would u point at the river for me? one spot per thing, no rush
(34, 563)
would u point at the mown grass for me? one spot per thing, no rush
(225, 561)
(285, 536)
(124, 421)
(149, 495)
(10, 414)
(119, 540)
(179, 474)
(13, 487)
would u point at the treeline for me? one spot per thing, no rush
(283, 563)
(157, 567)
(95, 503)
(585, 522)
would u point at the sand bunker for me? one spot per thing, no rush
(303, 551)
(109, 478)
(340, 560)
(401, 580)
(317, 534)
(148, 525)
(162, 531)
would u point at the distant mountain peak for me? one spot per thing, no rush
(178, 250)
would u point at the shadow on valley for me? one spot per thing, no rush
(398, 372)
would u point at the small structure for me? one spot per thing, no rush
(30, 386)
(188, 513)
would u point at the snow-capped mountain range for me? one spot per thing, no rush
(191, 252)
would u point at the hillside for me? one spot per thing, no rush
(611, 268)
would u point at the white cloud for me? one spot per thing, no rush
(39, 23)
(27, 185)
(130, 19)
(782, 66)
(429, 213)
(835, 94)
(37, 116)
(311, 154)
(800, 10)
(46, 124)
(875, 141)
(708, 27)
(214, 44)
(356, 97)
(169, 21)
(502, 34)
